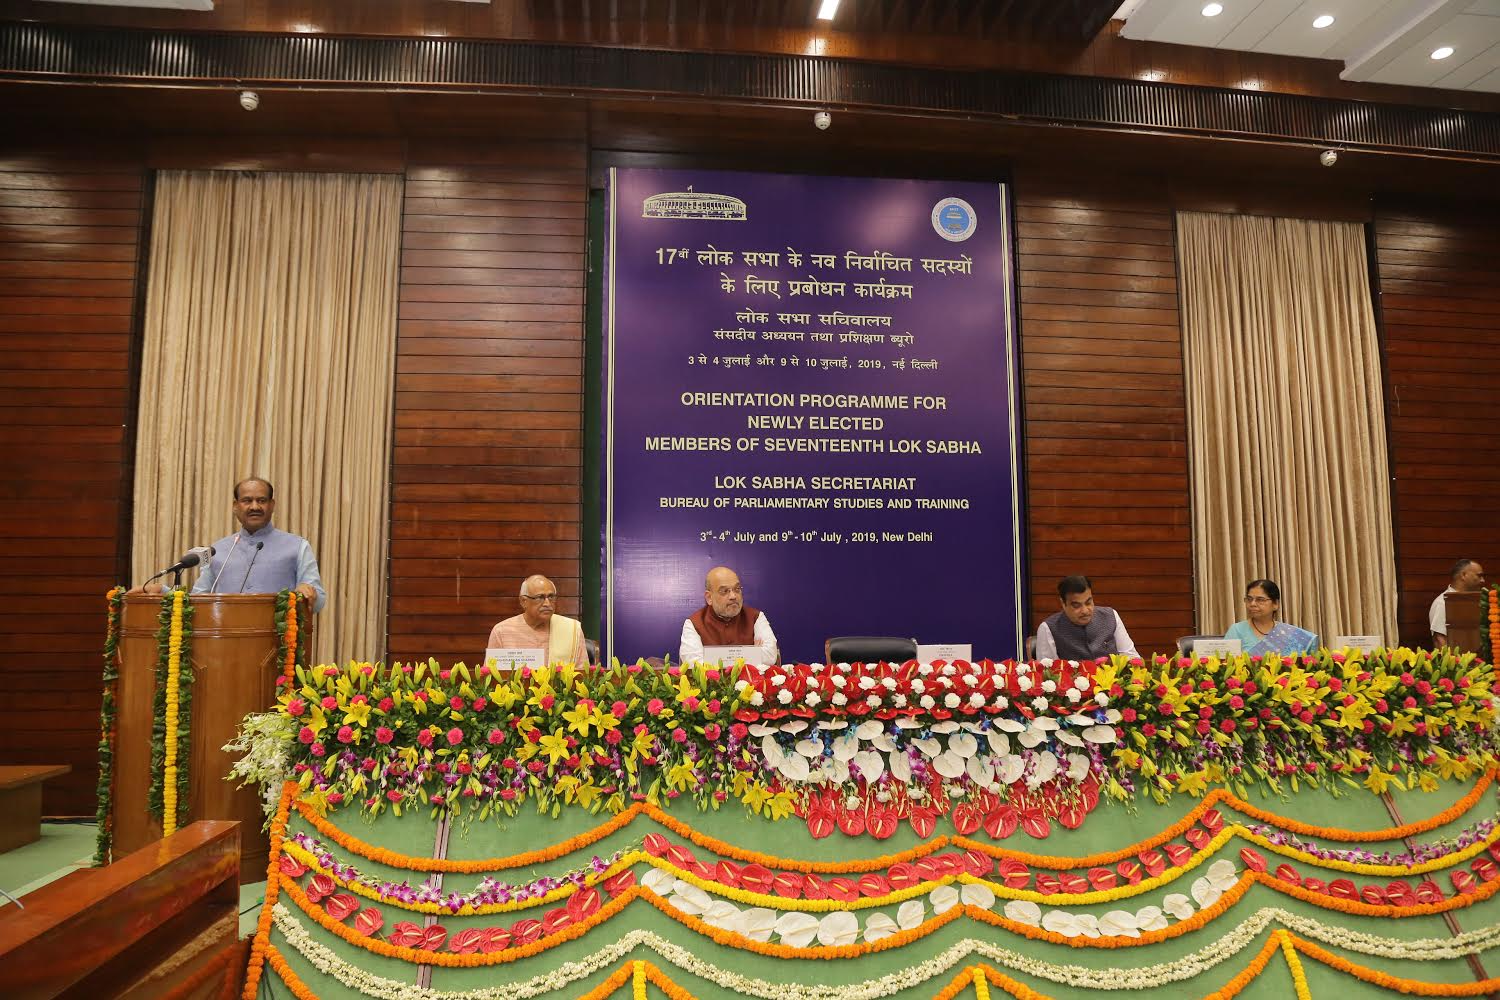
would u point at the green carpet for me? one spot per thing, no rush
(63, 847)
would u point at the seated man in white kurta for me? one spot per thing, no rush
(539, 626)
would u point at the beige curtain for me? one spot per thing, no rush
(1286, 423)
(269, 350)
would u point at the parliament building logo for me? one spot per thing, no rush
(692, 204)
(954, 219)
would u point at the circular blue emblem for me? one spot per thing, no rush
(954, 219)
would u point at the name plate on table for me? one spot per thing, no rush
(1363, 643)
(945, 651)
(516, 657)
(729, 655)
(1215, 647)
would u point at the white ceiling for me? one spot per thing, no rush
(1378, 41)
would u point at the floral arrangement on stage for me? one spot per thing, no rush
(986, 750)
(778, 907)
(863, 748)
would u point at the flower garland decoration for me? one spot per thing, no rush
(289, 651)
(104, 817)
(1180, 970)
(1489, 608)
(261, 944)
(171, 727)
(490, 896)
(1299, 978)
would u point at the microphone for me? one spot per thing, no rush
(253, 557)
(193, 557)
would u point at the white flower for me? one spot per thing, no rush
(813, 698)
(1081, 682)
(1025, 668)
(944, 898)
(1001, 701)
(777, 680)
(1039, 703)
(1178, 906)
(918, 685)
(1150, 918)
(784, 696)
(1101, 698)
(900, 700)
(950, 700)
(873, 701)
(1073, 695)
(974, 894)
(839, 699)
(757, 699)
(879, 926)
(1024, 911)
(843, 668)
(889, 683)
(796, 928)
(838, 928)
(911, 913)
(976, 699)
(1024, 683)
(925, 669)
(927, 701)
(866, 682)
(949, 670)
(1049, 685)
(839, 681)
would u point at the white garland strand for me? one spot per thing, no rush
(1144, 977)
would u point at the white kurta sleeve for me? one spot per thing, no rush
(690, 646)
(1437, 615)
(765, 638)
(1123, 642)
(1046, 646)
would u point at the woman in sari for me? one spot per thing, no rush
(1260, 633)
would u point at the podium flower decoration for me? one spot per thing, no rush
(115, 600)
(171, 728)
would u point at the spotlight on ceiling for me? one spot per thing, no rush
(1322, 21)
(1442, 53)
(828, 9)
(1328, 157)
(1213, 10)
(249, 100)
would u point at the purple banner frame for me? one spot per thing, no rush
(898, 419)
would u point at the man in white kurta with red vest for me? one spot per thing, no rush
(539, 626)
(725, 620)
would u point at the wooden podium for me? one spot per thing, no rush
(1463, 620)
(234, 646)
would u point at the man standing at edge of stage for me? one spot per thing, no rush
(725, 620)
(1466, 577)
(1082, 630)
(259, 558)
(539, 626)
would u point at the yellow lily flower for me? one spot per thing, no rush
(555, 746)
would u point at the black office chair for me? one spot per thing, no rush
(869, 649)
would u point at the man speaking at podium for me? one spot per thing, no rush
(260, 558)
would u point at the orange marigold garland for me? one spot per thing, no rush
(1492, 616)
(262, 940)
(289, 651)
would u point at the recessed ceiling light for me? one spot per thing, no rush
(1442, 53)
(1323, 21)
(1213, 10)
(829, 8)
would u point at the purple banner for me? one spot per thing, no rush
(811, 380)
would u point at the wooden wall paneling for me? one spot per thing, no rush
(70, 235)
(1439, 268)
(487, 464)
(1106, 431)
